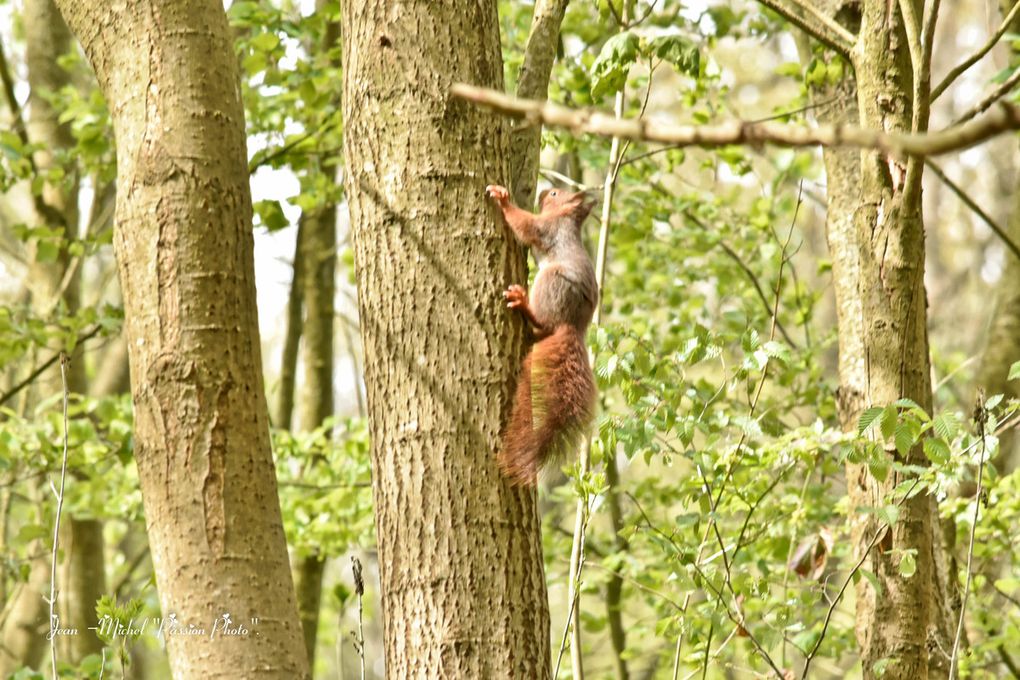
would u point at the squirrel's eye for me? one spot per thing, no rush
(552, 193)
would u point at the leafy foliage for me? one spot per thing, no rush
(718, 511)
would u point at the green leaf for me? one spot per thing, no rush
(265, 42)
(678, 51)
(868, 419)
(270, 214)
(908, 565)
(778, 350)
(946, 426)
(889, 418)
(47, 251)
(937, 450)
(878, 466)
(872, 579)
(905, 437)
(31, 532)
(609, 71)
(889, 514)
(790, 69)
(1014, 371)
(914, 408)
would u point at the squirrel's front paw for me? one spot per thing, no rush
(516, 296)
(498, 193)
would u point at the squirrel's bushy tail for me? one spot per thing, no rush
(554, 403)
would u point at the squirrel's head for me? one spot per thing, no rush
(577, 203)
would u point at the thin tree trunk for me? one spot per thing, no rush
(614, 585)
(308, 574)
(876, 236)
(316, 399)
(284, 416)
(185, 254)
(318, 287)
(23, 638)
(533, 83)
(82, 583)
(460, 554)
(46, 40)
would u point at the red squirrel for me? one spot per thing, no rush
(555, 397)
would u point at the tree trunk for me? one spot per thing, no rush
(459, 550)
(533, 83)
(318, 287)
(46, 40)
(308, 574)
(82, 582)
(184, 250)
(23, 637)
(876, 236)
(284, 415)
(315, 403)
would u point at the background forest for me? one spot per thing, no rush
(803, 464)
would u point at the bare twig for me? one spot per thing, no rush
(359, 590)
(18, 122)
(129, 571)
(716, 498)
(563, 179)
(995, 95)
(839, 596)
(258, 162)
(36, 372)
(972, 204)
(980, 418)
(976, 57)
(765, 369)
(584, 462)
(575, 590)
(814, 23)
(52, 600)
(1002, 118)
(1007, 661)
(751, 276)
(764, 119)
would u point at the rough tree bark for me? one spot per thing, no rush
(459, 550)
(875, 232)
(185, 255)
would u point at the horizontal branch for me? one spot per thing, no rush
(585, 121)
